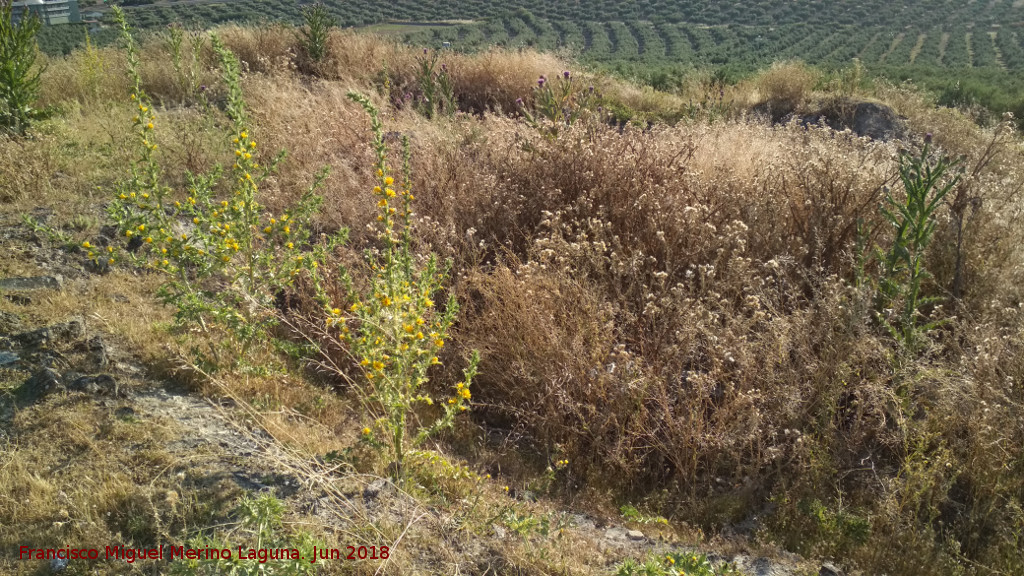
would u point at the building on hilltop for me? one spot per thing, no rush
(49, 11)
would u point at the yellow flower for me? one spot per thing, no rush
(389, 181)
(366, 431)
(149, 126)
(252, 144)
(142, 227)
(378, 366)
(287, 230)
(111, 261)
(382, 204)
(290, 245)
(267, 230)
(409, 328)
(386, 301)
(128, 233)
(389, 193)
(354, 307)
(86, 245)
(165, 262)
(365, 362)
(247, 155)
(419, 335)
(244, 135)
(195, 220)
(376, 190)
(439, 343)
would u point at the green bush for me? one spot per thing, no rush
(19, 74)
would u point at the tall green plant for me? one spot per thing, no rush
(394, 329)
(19, 74)
(437, 90)
(314, 36)
(225, 256)
(926, 181)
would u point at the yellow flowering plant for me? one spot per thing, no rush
(225, 255)
(394, 330)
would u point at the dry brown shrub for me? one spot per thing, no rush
(785, 86)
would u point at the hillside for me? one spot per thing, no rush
(507, 314)
(662, 43)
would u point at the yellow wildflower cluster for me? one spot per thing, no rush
(394, 329)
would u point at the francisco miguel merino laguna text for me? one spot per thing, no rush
(262, 555)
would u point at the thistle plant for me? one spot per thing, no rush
(437, 90)
(19, 75)
(559, 101)
(313, 38)
(926, 181)
(225, 256)
(394, 329)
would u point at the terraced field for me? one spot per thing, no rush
(919, 40)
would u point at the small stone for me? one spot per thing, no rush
(58, 564)
(635, 535)
(373, 489)
(9, 322)
(499, 532)
(101, 384)
(829, 569)
(43, 381)
(30, 283)
(8, 358)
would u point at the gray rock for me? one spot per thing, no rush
(583, 522)
(58, 564)
(30, 283)
(373, 489)
(499, 532)
(101, 384)
(762, 567)
(868, 119)
(829, 569)
(9, 322)
(42, 381)
(64, 332)
(619, 534)
(8, 358)
(97, 351)
(878, 122)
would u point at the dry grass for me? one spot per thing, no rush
(672, 309)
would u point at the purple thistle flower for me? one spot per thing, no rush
(541, 81)
(565, 74)
(928, 138)
(519, 102)
(202, 88)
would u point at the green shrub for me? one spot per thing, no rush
(19, 74)
(926, 183)
(313, 38)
